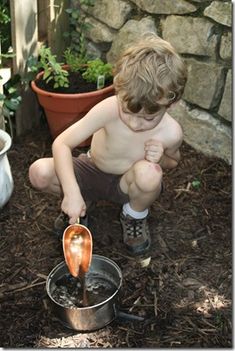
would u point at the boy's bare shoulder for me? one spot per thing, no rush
(172, 124)
(108, 106)
(105, 111)
(110, 102)
(174, 129)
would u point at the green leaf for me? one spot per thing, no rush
(2, 97)
(66, 34)
(12, 90)
(69, 10)
(74, 15)
(12, 104)
(46, 74)
(196, 184)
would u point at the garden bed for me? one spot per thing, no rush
(184, 294)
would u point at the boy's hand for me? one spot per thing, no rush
(153, 151)
(74, 206)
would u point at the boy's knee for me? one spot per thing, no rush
(38, 175)
(148, 175)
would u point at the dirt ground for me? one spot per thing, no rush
(184, 294)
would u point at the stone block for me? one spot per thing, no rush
(220, 11)
(99, 32)
(225, 109)
(114, 13)
(226, 46)
(203, 132)
(190, 35)
(165, 7)
(128, 34)
(205, 83)
(93, 50)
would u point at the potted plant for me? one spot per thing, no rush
(67, 92)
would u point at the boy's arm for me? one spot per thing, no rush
(73, 203)
(170, 159)
(171, 155)
(167, 157)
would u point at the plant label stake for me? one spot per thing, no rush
(100, 82)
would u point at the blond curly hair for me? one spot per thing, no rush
(149, 75)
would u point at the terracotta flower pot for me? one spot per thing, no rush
(62, 110)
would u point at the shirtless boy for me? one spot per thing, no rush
(134, 140)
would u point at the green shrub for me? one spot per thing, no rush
(97, 68)
(5, 24)
(76, 62)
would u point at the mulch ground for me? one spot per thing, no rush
(184, 294)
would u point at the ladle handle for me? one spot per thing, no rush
(78, 220)
(66, 218)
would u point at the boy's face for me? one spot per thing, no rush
(141, 122)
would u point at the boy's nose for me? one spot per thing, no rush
(135, 124)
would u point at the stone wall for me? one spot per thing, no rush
(201, 31)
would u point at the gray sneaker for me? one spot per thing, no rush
(136, 235)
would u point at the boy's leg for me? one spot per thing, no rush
(43, 177)
(142, 183)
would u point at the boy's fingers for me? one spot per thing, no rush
(83, 213)
(72, 220)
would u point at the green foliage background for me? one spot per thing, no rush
(5, 24)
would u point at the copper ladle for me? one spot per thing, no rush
(77, 247)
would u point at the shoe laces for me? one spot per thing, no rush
(134, 227)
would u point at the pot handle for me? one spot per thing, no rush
(128, 316)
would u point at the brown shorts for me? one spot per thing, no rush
(96, 185)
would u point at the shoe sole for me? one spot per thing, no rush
(140, 249)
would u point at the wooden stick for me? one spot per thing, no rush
(155, 303)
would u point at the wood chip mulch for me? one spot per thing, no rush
(184, 294)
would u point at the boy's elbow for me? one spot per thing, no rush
(174, 163)
(169, 163)
(176, 160)
(54, 144)
(57, 143)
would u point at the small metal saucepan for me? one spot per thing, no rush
(91, 317)
(96, 316)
